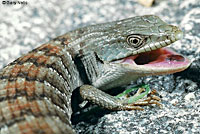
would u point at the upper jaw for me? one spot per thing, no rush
(156, 62)
(156, 42)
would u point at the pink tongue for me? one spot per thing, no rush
(130, 59)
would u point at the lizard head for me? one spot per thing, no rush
(137, 47)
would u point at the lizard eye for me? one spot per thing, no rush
(134, 40)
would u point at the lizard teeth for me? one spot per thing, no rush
(127, 60)
(117, 61)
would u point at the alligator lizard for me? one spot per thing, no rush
(36, 89)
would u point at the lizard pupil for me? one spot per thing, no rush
(134, 40)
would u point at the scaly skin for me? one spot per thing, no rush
(36, 89)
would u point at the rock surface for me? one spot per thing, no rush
(24, 27)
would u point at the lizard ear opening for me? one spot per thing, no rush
(134, 40)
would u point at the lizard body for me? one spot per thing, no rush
(36, 89)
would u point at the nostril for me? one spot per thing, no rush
(165, 28)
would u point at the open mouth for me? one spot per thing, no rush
(162, 61)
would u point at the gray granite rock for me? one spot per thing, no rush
(24, 27)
